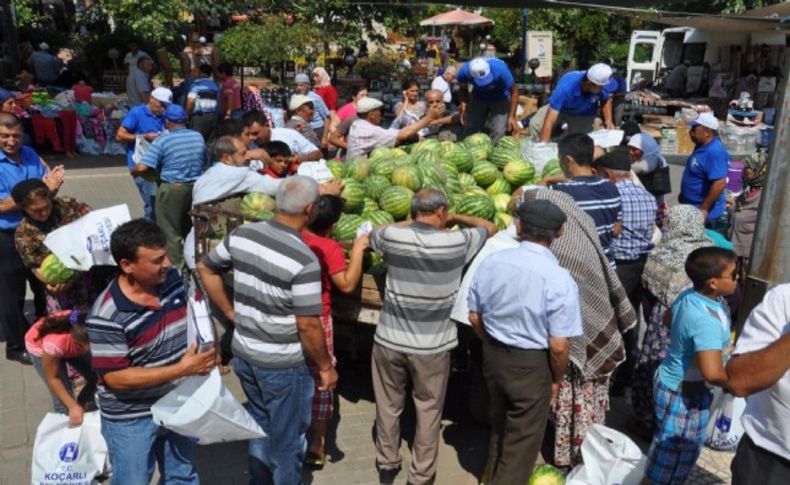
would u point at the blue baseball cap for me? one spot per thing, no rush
(174, 113)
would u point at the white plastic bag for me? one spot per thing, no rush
(610, 457)
(64, 455)
(539, 153)
(202, 408)
(141, 145)
(317, 171)
(86, 241)
(724, 429)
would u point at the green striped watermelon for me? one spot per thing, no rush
(433, 171)
(265, 215)
(375, 185)
(427, 157)
(503, 220)
(397, 201)
(478, 139)
(518, 172)
(255, 202)
(477, 206)
(461, 157)
(452, 183)
(346, 227)
(54, 271)
(353, 195)
(502, 156)
(380, 218)
(466, 180)
(475, 190)
(379, 153)
(401, 161)
(447, 145)
(480, 153)
(431, 183)
(357, 169)
(449, 168)
(369, 205)
(336, 167)
(408, 177)
(500, 186)
(551, 168)
(398, 152)
(509, 142)
(485, 174)
(501, 201)
(382, 167)
(427, 145)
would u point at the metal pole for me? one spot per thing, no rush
(523, 60)
(770, 257)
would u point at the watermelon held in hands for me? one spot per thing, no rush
(408, 177)
(546, 475)
(353, 195)
(518, 172)
(54, 272)
(255, 202)
(396, 200)
(485, 174)
(346, 227)
(265, 215)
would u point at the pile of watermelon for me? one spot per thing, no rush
(477, 177)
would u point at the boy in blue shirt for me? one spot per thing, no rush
(699, 334)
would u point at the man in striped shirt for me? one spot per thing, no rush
(137, 330)
(596, 196)
(413, 339)
(180, 157)
(276, 310)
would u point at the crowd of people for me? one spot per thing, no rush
(557, 314)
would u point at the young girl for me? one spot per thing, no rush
(53, 342)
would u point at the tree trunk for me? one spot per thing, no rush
(11, 39)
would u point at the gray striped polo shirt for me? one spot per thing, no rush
(276, 278)
(424, 267)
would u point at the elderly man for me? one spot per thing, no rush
(525, 307)
(180, 158)
(424, 263)
(17, 163)
(706, 172)
(366, 133)
(494, 98)
(261, 134)
(448, 126)
(45, 65)
(203, 103)
(321, 113)
(301, 109)
(443, 84)
(760, 369)
(137, 333)
(575, 101)
(138, 82)
(276, 308)
(146, 121)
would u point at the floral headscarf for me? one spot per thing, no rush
(324, 79)
(757, 163)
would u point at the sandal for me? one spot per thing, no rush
(315, 461)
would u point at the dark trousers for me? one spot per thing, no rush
(519, 388)
(205, 124)
(630, 274)
(753, 464)
(173, 203)
(13, 276)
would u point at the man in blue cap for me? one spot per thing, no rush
(180, 157)
(493, 100)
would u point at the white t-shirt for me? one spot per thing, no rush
(767, 416)
(298, 144)
(441, 84)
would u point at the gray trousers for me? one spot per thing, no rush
(429, 374)
(490, 116)
(576, 124)
(173, 203)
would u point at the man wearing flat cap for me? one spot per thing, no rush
(366, 133)
(180, 157)
(321, 114)
(631, 247)
(525, 307)
(302, 108)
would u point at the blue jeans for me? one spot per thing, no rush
(148, 194)
(135, 444)
(280, 401)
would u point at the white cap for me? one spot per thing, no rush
(599, 74)
(366, 105)
(481, 71)
(302, 78)
(163, 95)
(706, 119)
(298, 100)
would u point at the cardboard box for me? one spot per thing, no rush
(685, 144)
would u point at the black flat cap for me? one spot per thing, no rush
(21, 190)
(617, 159)
(542, 214)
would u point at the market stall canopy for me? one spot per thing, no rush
(773, 17)
(456, 17)
(557, 3)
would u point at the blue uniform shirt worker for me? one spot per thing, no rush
(525, 307)
(494, 98)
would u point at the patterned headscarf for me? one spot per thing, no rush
(606, 311)
(324, 79)
(664, 274)
(757, 163)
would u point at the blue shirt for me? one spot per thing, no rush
(639, 216)
(11, 173)
(698, 323)
(569, 99)
(705, 165)
(181, 155)
(205, 92)
(320, 112)
(617, 85)
(524, 297)
(600, 199)
(497, 89)
(138, 121)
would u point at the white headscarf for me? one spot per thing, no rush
(651, 152)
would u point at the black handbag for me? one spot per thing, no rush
(657, 182)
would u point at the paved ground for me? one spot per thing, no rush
(24, 399)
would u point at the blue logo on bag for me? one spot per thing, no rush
(69, 452)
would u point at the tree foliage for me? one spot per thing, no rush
(268, 39)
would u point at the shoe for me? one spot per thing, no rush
(315, 461)
(387, 475)
(21, 357)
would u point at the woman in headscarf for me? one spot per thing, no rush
(646, 158)
(606, 314)
(7, 101)
(744, 213)
(322, 85)
(664, 278)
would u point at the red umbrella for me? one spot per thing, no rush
(456, 17)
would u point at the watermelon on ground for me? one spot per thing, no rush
(427, 145)
(485, 174)
(408, 177)
(502, 220)
(255, 202)
(500, 186)
(346, 227)
(480, 153)
(466, 180)
(430, 183)
(477, 206)
(380, 218)
(546, 475)
(381, 167)
(500, 201)
(452, 183)
(375, 185)
(403, 160)
(398, 152)
(397, 201)
(552, 167)
(478, 139)
(502, 156)
(380, 152)
(447, 145)
(336, 167)
(353, 195)
(448, 167)
(368, 206)
(54, 271)
(357, 169)
(427, 157)
(509, 142)
(461, 158)
(475, 190)
(432, 171)
(518, 172)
